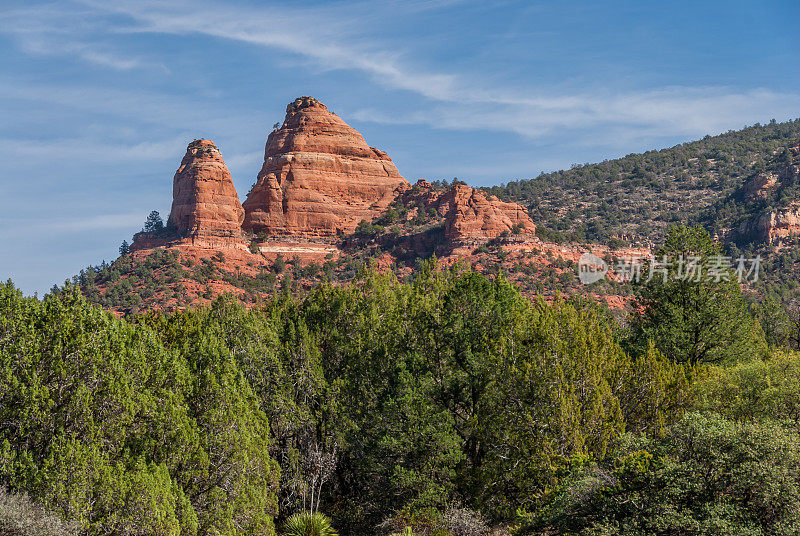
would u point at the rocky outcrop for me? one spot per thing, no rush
(205, 204)
(468, 213)
(471, 214)
(774, 226)
(761, 186)
(319, 178)
(319, 181)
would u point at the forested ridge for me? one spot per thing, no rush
(446, 405)
(635, 199)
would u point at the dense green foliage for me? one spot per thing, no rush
(446, 390)
(374, 398)
(636, 198)
(434, 406)
(755, 391)
(707, 475)
(100, 422)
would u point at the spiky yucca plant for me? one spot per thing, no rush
(308, 524)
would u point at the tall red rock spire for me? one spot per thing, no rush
(204, 201)
(319, 178)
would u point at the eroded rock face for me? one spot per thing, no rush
(204, 201)
(319, 178)
(774, 226)
(761, 186)
(470, 214)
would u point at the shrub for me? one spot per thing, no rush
(708, 475)
(464, 522)
(21, 517)
(415, 522)
(759, 390)
(308, 524)
(279, 265)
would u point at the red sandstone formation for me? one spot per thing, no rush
(470, 214)
(205, 204)
(319, 178)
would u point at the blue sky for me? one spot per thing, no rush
(99, 99)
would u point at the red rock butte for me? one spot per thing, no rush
(205, 204)
(319, 178)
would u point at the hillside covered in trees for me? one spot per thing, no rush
(636, 198)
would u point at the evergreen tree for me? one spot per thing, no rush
(690, 304)
(153, 223)
(124, 248)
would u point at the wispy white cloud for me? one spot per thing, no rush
(48, 45)
(58, 31)
(331, 37)
(90, 150)
(674, 111)
(251, 160)
(102, 221)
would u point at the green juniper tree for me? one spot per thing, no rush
(690, 304)
(103, 424)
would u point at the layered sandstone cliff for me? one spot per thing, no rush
(205, 204)
(319, 181)
(776, 225)
(319, 178)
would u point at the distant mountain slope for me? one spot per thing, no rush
(634, 199)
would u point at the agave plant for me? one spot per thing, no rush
(308, 524)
